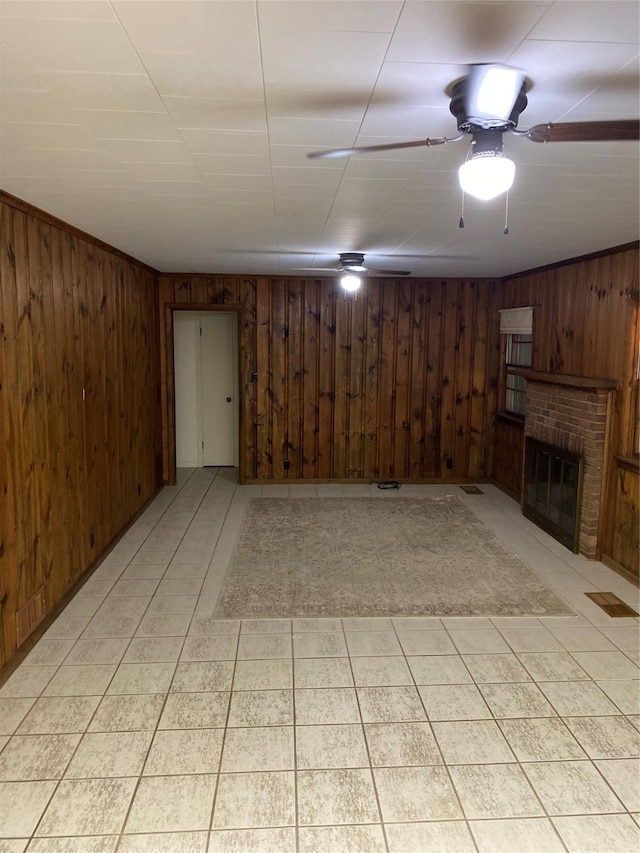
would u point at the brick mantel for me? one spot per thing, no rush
(566, 380)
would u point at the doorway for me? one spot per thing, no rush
(206, 393)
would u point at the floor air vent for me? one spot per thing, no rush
(611, 604)
(472, 490)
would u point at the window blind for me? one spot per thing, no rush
(516, 321)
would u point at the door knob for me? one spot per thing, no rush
(228, 399)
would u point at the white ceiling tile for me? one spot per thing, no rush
(219, 75)
(217, 114)
(16, 73)
(17, 167)
(113, 124)
(305, 175)
(147, 150)
(365, 187)
(417, 84)
(97, 10)
(101, 178)
(192, 194)
(470, 32)
(313, 102)
(102, 90)
(251, 183)
(318, 61)
(164, 172)
(22, 105)
(25, 186)
(307, 192)
(365, 167)
(571, 69)
(196, 26)
(294, 156)
(331, 15)
(583, 21)
(33, 134)
(291, 209)
(233, 164)
(259, 200)
(219, 142)
(74, 158)
(409, 122)
(318, 133)
(70, 45)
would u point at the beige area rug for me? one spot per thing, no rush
(322, 557)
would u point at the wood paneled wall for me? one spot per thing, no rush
(79, 404)
(397, 383)
(587, 323)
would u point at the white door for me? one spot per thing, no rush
(218, 388)
(186, 349)
(206, 367)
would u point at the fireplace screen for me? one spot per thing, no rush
(552, 490)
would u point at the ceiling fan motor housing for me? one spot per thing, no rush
(352, 261)
(472, 124)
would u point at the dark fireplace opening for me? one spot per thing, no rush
(552, 490)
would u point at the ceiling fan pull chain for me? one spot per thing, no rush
(506, 213)
(461, 222)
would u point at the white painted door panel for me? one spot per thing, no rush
(218, 391)
(186, 336)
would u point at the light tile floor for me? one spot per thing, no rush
(140, 724)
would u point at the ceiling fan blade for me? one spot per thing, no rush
(586, 131)
(389, 273)
(367, 149)
(317, 269)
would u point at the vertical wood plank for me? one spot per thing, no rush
(418, 381)
(450, 345)
(295, 373)
(433, 394)
(479, 384)
(342, 389)
(264, 441)
(247, 365)
(326, 379)
(464, 373)
(11, 450)
(373, 326)
(387, 397)
(279, 368)
(311, 362)
(356, 388)
(403, 355)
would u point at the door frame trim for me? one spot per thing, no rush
(169, 379)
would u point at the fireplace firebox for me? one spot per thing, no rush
(552, 490)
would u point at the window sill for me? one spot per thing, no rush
(507, 417)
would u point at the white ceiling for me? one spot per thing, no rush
(177, 131)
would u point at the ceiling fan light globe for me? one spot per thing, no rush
(356, 268)
(350, 282)
(487, 177)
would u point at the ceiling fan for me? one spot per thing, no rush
(352, 266)
(486, 104)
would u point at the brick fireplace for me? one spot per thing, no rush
(571, 414)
